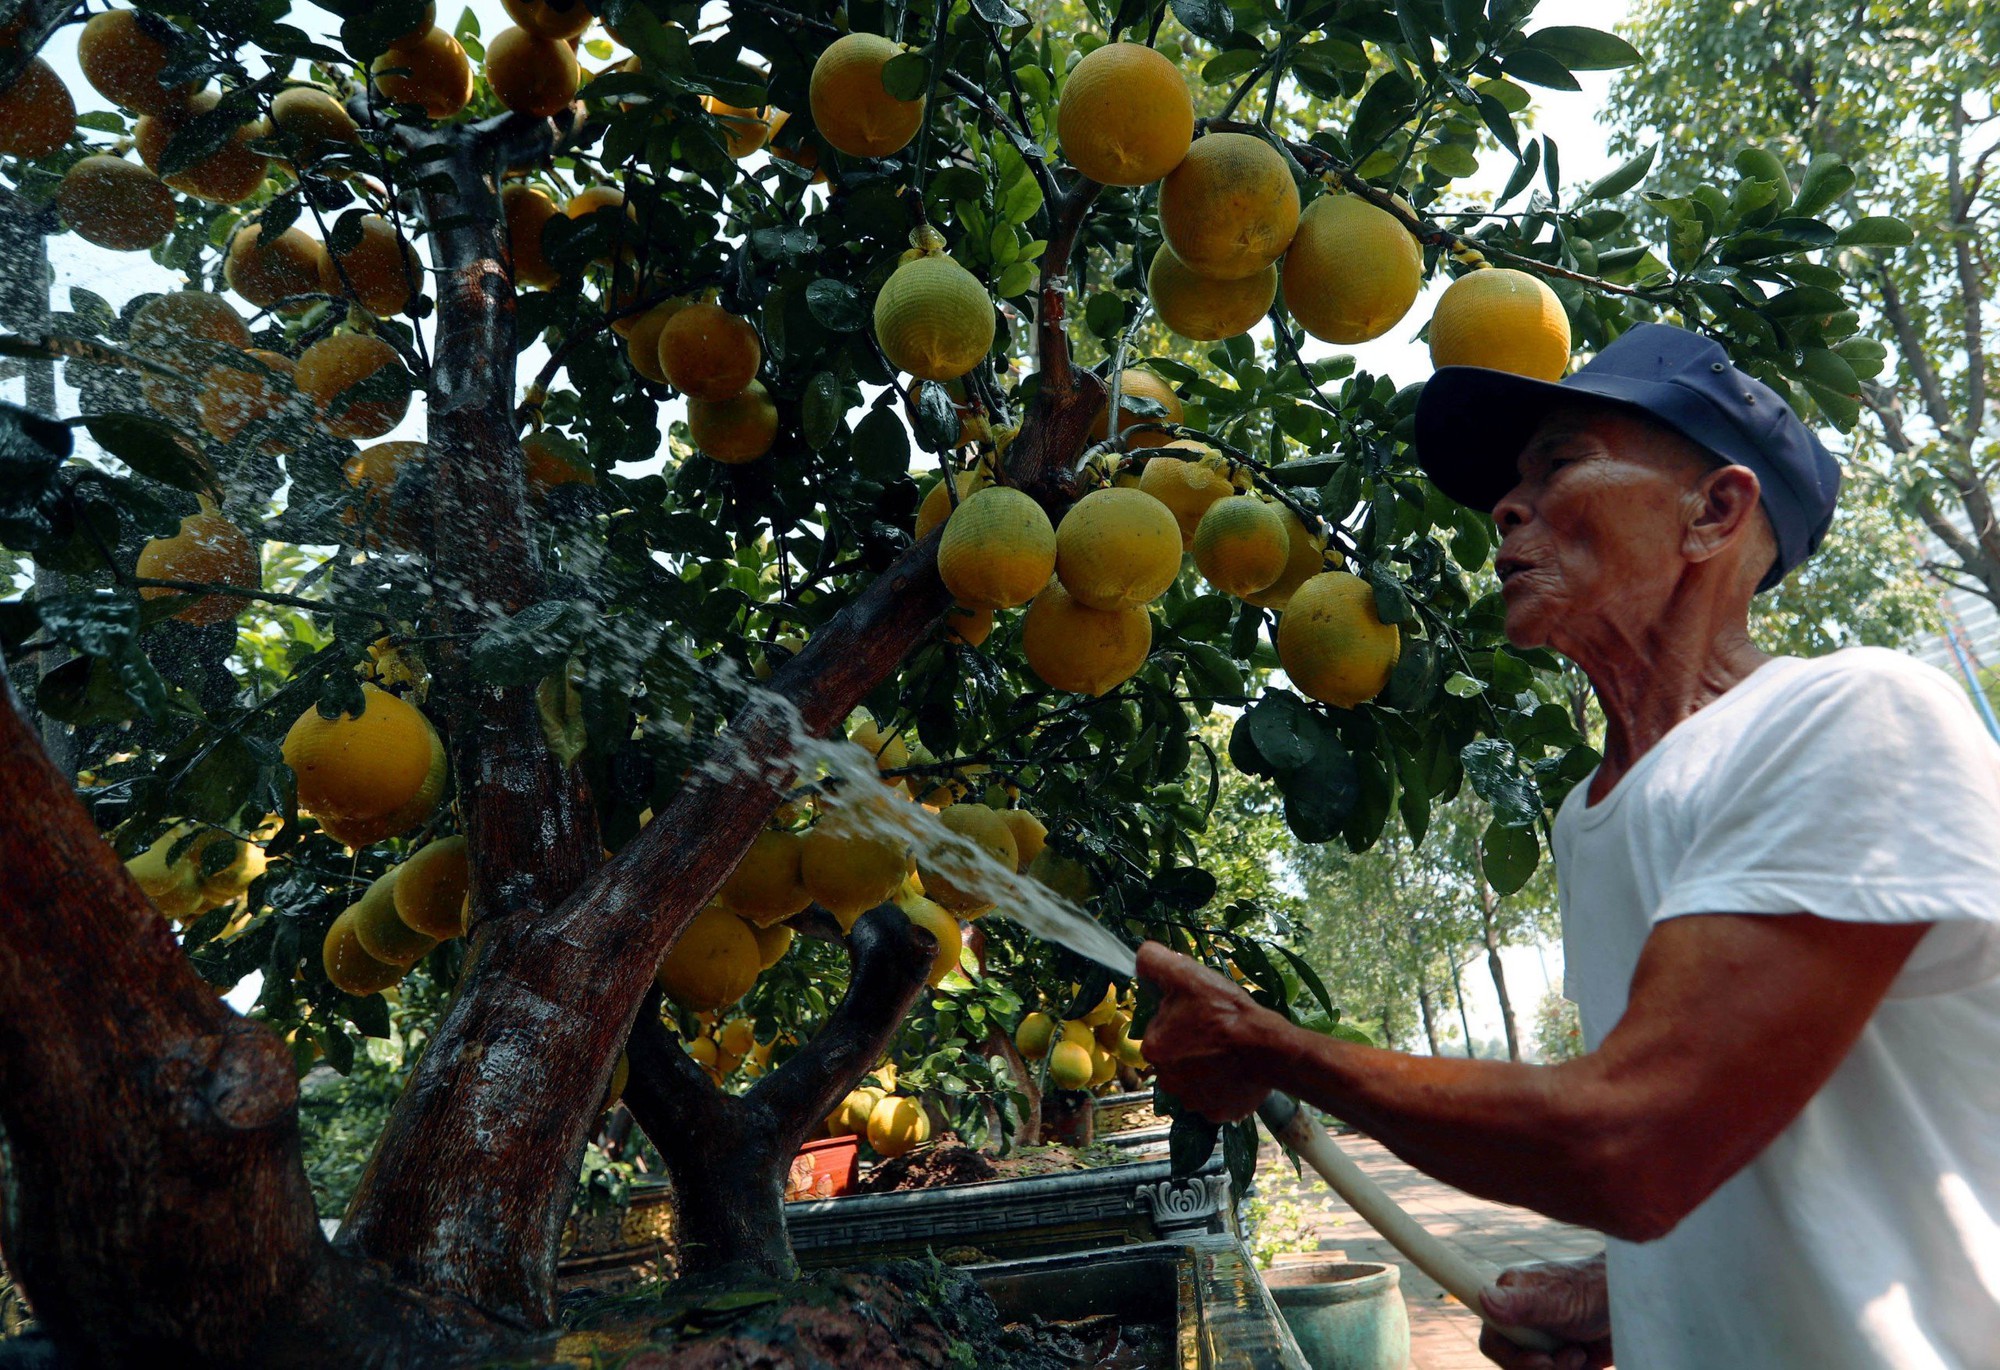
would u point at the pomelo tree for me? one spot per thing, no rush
(479, 707)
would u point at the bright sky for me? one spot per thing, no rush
(1570, 118)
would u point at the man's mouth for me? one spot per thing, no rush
(1508, 567)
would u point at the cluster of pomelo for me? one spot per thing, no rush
(892, 1123)
(722, 1048)
(212, 867)
(399, 919)
(1086, 1052)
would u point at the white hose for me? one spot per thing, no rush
(1462, 1276)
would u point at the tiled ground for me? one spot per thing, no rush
(1443, 1334)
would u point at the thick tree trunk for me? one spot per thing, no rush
(999, 1044)
(728, 1157)
(153, 1207)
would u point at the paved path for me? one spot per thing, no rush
(1443, 1334)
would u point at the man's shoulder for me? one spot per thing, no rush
(1866, 674)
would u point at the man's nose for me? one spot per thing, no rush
(1512, 511)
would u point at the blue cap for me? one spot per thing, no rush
(1472, 424)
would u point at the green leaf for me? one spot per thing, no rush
(1000, 14)
(821, 410)
(1228, 65)
(1508, 856)
(1210, 19)
(836, 306)
(1321, 796)
(1537, 68)
(1879, 230)
(153, 449)
(1190, 1142)
(1498, 778)
(1826, 180)
(937, 418)
(1623, 177)
(881, 446)
(527, 646)
(907, 75)
(1583, 49)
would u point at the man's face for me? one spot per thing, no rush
(1592, 536)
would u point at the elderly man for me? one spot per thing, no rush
(1781, 912)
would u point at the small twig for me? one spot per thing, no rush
(318, 606)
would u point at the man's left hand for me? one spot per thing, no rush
(1209, 1042)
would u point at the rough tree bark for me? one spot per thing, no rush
(1429, 1011)
(1464, 1017)
(1489, 904)
(728, 1157)
(154, 1208)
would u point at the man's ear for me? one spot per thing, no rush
(1722, 512)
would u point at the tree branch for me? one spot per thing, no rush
(1911, 344)
(39, 19)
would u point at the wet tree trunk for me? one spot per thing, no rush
(728, 1157)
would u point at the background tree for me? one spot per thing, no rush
(582, 627)
(1897, 106)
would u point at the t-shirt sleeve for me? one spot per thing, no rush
(1869, 793)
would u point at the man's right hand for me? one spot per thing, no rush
(1566, 1299)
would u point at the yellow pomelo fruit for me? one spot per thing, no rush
(968, 627)
(1069, 879)
(934, 319)
(313, 120)
(708, 353)
(1109, 1031)
(713, 964)
(953, 880)
(998, 549)
(1126, 117)
(744, 131)
(1331, 643)
(234, 397)
(1187, 485)
(432, 887)
(1230, 208)
(266, 271)
(428, 69)
(850, 871)
(1103, 1066)
(1030, 836)
(1106, 1010)
(168, 323)
(772, 944)
(936, 920)
(1074, 647)
(737, 1037)
(937, 505)
(766, 886)
(621, 1075)
(381, 931)
(122, 57)
(890, 750)
(1504, 320)
(173, 886)
(1117, 548)
(531, 74)
(116, 204)
(382, 270)
(851, 1116)
(238, 869)
(736, 430)
(1352, 271)
(1137, 384)
(705, 1055)
(527, 211)
(1077, 1031)
(209, 549)
(229, 175)
(360, 772)
(1070, 1066)
(37, 115)
(1207, 310)
(373, 472)
(593, 200)
(1130, 1050)
(348, 964)
(1032, 1038)
(851, 107)
(332, 369)
(897, 1125)
(563, 19)
(1305, 557)
(1241, 545)
(642, 338)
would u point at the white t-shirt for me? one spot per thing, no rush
(1857, 786)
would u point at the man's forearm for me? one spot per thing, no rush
(1541, 1137)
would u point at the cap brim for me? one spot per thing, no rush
(1472, 424)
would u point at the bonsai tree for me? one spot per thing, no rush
(459, 565)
